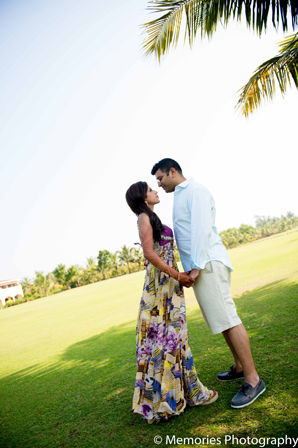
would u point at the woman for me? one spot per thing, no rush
(166, 378)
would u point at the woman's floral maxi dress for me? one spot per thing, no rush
(166, 377)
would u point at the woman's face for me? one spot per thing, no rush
(152, 197)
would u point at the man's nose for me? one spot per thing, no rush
(159, 183)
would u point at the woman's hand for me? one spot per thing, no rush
(186, 280)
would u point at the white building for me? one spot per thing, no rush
(10, 290)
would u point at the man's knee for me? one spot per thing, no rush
(231, 328)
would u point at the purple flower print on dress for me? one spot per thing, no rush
(160, 335)
(183, 309)
(150, 343)
(182, 320)
(171, 339)
(140, 352)
(177, 373)
(146, 411)
(152, 331)
(182, 329)
(161, 281)
(171, 400)
(148, 348)
(139, 383)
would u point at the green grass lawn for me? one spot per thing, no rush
(68, 361)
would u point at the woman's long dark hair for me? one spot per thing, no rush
(135, 197)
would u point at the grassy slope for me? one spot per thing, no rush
(68, 361)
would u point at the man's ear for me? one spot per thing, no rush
(173, 173)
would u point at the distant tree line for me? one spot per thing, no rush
(106, 265)
(264, 227)
(128, 260)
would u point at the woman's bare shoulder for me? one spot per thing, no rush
(144, 225)
(143, 219)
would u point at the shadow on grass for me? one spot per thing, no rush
(83, 398)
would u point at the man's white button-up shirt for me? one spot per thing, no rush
(194, 227)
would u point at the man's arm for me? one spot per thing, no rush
(194, 273)
(201, 227)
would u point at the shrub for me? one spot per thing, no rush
(8, 303)
(18, 301)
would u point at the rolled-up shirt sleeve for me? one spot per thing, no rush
(201, 227)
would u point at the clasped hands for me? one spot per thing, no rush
(188, 278)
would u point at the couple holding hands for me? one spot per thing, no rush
(166, 379)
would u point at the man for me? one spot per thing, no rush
(204, 255)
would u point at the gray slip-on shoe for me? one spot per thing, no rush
(247, 394)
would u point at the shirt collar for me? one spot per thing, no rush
(184, 184)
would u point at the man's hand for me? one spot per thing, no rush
(194, 273)
(186, 280)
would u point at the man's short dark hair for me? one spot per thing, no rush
(165, 165)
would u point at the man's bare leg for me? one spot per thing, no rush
(237, 361)
(238, 341)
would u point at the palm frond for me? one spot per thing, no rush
(163, 31)
(283, 68)
(203, 16)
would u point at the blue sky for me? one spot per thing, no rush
(84, 115)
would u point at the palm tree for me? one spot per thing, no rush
(91, 263)
(73, 276)
(231, 237)
(261, 221)
(290, 215)
(79, 275)
(126, 256)
(283, 68)
(203, 16)
(138, 256)
(44, 283)
(27, 285)
(104, 262)
(90, 274)
(248, 232)
(60, 273)
(114, 261)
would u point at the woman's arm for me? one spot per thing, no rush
(146, 235)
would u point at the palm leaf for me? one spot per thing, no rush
(282, 68)
(204, 15)
(163, 31)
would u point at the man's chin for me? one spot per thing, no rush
(168, 190)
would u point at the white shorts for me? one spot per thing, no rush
(212, 289)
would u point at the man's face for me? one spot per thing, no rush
(166, 181)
